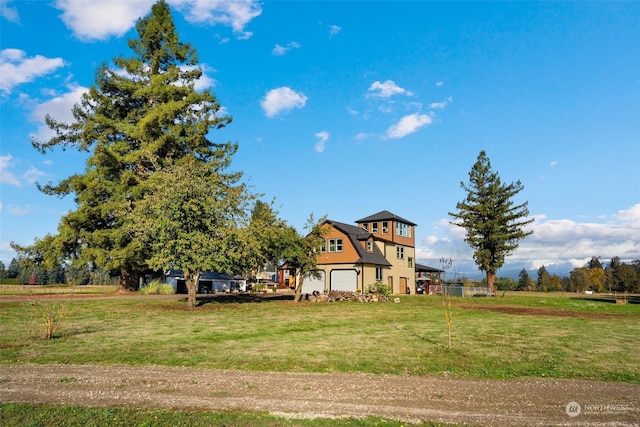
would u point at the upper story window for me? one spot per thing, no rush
(365, 226)
(403, 229)
(369, 245)
(374, 227)
(385, 227)
(399, 252)
(335, 245)
(323, 247)
(410, 262)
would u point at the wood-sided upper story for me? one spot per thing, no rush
(387, 226)
(348, 244)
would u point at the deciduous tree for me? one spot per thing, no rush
(192, 219)
(494, 224)
(264, 238)
(300, 252)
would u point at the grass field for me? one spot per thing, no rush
(511, 336)
(8, 289)
(20, 415)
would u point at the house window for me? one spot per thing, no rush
(403, 229)
(379, 274)
(335, 245)
(374, 227)
(365, 226)
(369, 246)
(399, 252)
(323, 247)
(410, 262)
(385, 227)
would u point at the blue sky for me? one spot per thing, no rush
(349, 108)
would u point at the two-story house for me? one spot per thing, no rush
(381, 247)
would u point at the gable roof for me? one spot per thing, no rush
(357, 235)
(384, 216)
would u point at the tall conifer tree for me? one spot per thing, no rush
(141, 116)
(494, 225)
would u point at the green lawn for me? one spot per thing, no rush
(534, 335)
(20, 415)
(16, 289)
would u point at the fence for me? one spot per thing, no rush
(459, 290)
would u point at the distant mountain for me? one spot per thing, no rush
(510, 270)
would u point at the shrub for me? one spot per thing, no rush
(259, 287)
(157, 287)
(380, 288)
(51, 315)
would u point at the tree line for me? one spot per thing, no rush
(616, 276)
(26, 272)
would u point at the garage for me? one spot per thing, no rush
(312, 284)
(344, 280)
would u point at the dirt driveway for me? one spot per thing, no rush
(300, 395)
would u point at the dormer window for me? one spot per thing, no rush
(335, 245)
(369, 245)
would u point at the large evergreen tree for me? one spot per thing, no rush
(524, 282)
(494, 225)
(141, 116)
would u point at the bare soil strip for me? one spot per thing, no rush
(529, 402)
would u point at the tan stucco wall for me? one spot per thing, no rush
(400, 267)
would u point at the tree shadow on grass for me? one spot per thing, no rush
(611, 299)
(241, 298)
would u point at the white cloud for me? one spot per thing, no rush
(408, 124)
(32, 174)
(282, 99)
(59, 108)
(439, 84)
(553, 163)
(19, 211)
(99, 20)
(324, 137)
(387, 89)
(563, 243)
(363, 135)
(282, 50)
(630, 216)
(8, 13)
(441, 105)
(334, 30)
(6, 176)
(235, 14)
(16, 68)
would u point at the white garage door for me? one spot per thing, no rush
(311, 284)
(344, 280)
